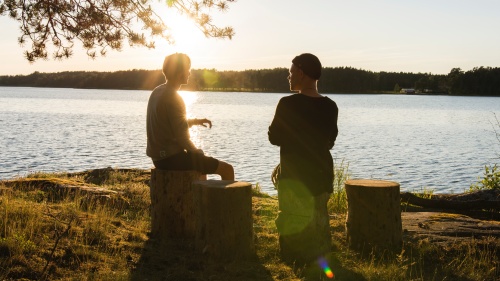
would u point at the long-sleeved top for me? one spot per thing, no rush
(166, 124)
(305, 128)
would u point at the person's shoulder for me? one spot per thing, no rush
(163, 92)
(292, 98)
(158, 90)
(160, 87)
(330, 101)
(287, 99)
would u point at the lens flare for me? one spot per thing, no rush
(324, 265)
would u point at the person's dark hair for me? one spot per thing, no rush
(175, 63)
(309, 64)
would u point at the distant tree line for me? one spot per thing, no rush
(480, 81)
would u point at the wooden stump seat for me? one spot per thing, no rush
(172, 206)
(224, 219)
(215, 214)
(374, 214)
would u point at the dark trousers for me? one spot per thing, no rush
(303, 223)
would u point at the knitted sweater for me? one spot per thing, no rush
(305, 128)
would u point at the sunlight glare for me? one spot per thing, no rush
(189, 99)
(186, 35)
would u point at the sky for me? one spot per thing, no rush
(429, 36)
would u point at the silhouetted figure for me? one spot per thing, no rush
(305, 129)
(169, 144)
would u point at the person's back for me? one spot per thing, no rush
(164, 113)
(168, 140)
(305, 128)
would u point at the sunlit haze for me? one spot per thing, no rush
(386, 35)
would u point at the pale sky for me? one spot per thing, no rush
(385, 35)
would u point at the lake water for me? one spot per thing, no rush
(436, 142)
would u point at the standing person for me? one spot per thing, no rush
(305, 129)
(169, 144)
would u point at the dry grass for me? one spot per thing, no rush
(47, 237)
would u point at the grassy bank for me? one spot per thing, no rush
(46, 234)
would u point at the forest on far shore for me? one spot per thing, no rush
(480, 81)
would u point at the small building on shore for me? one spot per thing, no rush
(407, 91)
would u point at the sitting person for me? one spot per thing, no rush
(169, 144)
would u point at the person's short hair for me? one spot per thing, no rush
(175, 63)
(309, 64)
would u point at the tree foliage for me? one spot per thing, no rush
(480, 81)
(101, 25)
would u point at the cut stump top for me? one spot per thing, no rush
(371, 183)
(222, 184)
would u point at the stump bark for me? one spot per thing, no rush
(374, 214)
(224, 219)
(172, 206)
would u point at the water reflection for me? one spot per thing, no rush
(437, 142)
(189, 99)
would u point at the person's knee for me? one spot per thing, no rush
(225, 170)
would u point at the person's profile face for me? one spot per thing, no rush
(294, 77)
(184, 75)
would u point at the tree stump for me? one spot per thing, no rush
(374, 214)
(224, 219)
(172, 208)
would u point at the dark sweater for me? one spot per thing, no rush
(305, 128)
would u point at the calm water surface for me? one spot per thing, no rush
(436, 142)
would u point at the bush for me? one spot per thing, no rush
(491, 179)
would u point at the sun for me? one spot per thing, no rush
(187, 38)
(185, 33)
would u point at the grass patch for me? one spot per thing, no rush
(63, 239)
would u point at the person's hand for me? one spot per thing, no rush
(204, 122)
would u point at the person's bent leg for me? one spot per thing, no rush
(225, 170)
(209, 165)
